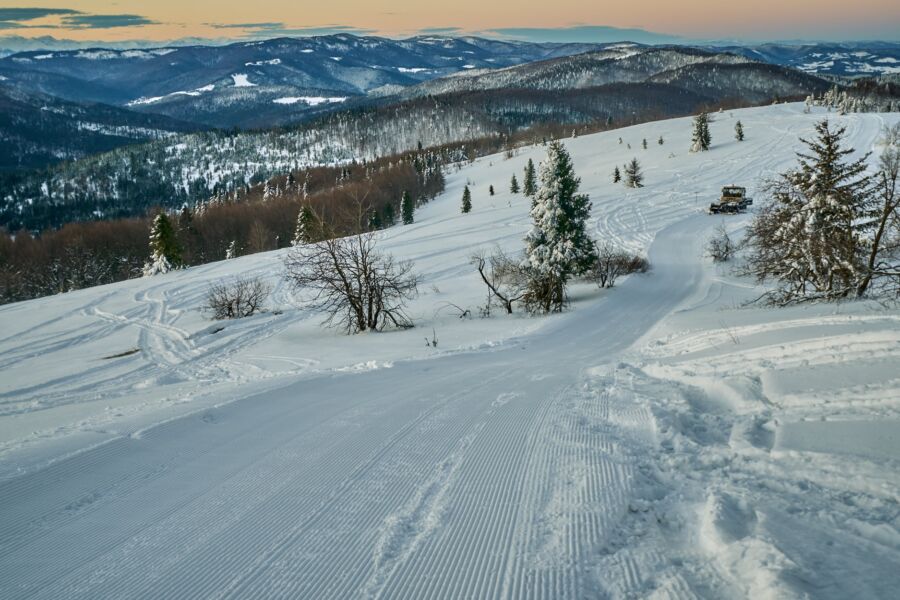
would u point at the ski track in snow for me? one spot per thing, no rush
(642, 444)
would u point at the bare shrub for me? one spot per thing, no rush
(504, 277)
(612, 263)
(237, 299)
(358, 287)
(721, 247)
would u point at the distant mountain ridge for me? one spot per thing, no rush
(280, 79)
(849, 59)
(619, 85)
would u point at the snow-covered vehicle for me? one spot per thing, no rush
(734, 200)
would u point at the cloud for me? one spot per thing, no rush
(245, 25)
(268, 30)
(584, 33)
(30, 14)
(12, 18)
(83, 21)
(430, 30)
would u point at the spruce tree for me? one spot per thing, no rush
(633, 176)
(700, 138)
(390, 217)
(557, 247)
(375, 222)
(530, 185)
(407, 208)
(491, 190)
(514, 185)
(644, 143)
(739, 131)
(466, 200)
(617, 175)
(812, 239)
(309, 228)
(661, 141)
(165, 251)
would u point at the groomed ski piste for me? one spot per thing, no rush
(659, 439)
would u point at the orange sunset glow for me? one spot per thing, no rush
(695, 19)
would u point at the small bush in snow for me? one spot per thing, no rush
(613, 263)
(721, 247)
(504, 277)
(237, 299)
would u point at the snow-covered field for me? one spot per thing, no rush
(658, 440)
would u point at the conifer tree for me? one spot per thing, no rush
(661, 141)
(308, 227)
(491, 190)
(466, 200)
(700, 138)
(530, 184)
(557, 247)
(375, 222)
(644, 143)
(230, 251)
(165, 251)
(407, 208)
(633, 176)
(617, 175)
(514, 185)
(390, 217)
(812, 239)
(739, 131)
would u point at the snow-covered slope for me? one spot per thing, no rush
(657, 439)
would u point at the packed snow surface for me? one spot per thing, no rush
(659, 439)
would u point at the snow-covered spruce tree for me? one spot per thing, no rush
(466, 200)
(617, 175)
(407, 208)
(268, 191)
(557, 247)
(514, 185)
(309, 228)
(739, 131)
(812, 239)
(230, 251)
(165, 251)
(700, 138)
(529, 186)
(633, 176)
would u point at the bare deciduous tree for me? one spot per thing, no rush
(504, 277)
(883, 261)
(721, 247)
(613, 263)
(358, 287)
(237, 299)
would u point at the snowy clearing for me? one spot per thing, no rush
(657, 440)
(241, 80)
(155, 99)
(310, 100)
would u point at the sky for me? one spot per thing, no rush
(649, 21)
